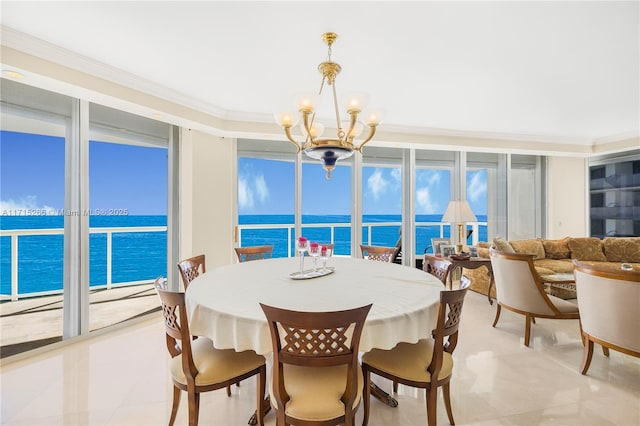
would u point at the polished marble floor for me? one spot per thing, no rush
(120, 378)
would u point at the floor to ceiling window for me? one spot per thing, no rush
(266, 195)
(128, 213)
(58, 251)
(381, 196)
(434, 186)
(524, 197)
(35, 126)
(326, 205)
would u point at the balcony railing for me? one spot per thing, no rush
(368, 227)
(17, 233)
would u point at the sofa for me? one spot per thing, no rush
(556, 256)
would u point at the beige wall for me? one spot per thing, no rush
(567, 201)
(207, 199)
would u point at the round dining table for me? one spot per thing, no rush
(223, 304)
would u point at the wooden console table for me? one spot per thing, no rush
(443, 268)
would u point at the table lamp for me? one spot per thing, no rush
(459, 212)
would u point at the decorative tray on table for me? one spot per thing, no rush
(460, 256)
(310, 273)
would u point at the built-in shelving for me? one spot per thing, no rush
(614, 190)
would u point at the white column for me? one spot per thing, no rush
(76, 224)
(356, 205)
(408, 207)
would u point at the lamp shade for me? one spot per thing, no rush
(459, 211)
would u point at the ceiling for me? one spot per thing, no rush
(562, 71)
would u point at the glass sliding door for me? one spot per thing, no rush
(266, 195)
(487, 193)
(524, 199)
(381, 196)
(35, 125)
(326, 205)
(434, 186)
(127, 214)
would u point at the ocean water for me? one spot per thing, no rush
(380, 235)
(135, 255)
(143, 255)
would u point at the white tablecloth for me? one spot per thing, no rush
(223, 304)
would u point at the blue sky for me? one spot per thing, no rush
(120, 176)
(267, 187)
(135, 178)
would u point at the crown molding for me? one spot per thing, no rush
(47, 51)
(56, 54)
(617, 138)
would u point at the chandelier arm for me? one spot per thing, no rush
(287, 131)
(372, 132)
(353, 118)
(335, 106)
(307, 126)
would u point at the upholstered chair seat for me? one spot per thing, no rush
(322, 401)
(215, 365)
(409, 361)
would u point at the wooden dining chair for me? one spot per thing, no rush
(439, 268)
(316, 375)
(519, 289)
(246, 254)
(197, 366)
(379, 253)
(191, 268)
(608, 302)
(427, 364)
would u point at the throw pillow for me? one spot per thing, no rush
(619, 249)
(502, 245)
(556, 249)
(532, 246)
(587, 249)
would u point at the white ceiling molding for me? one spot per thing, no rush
(50, 52)
(543, 76)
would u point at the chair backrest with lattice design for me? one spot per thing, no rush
(379, 253)
(174, 312)
(191, 268)
(445, 334)
(315, 339)
(246, 254)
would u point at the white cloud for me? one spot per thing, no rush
(252, 190)
(28, 202)
(261, 188)
(396, 175)
(477, 187)
(424, 203)
(434, 179)
(245, 195)
(377, 184)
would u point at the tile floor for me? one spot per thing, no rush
(120, 378)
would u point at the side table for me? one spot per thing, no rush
(443, 267)
(559, 281)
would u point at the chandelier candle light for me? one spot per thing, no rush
(330, 150)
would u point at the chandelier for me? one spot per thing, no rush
(330, 150)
